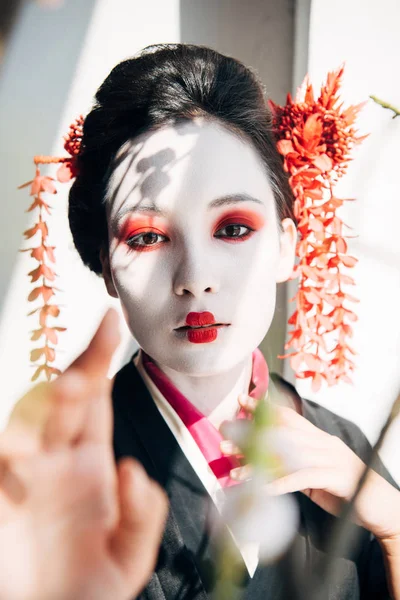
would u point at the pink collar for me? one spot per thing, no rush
(206, 436)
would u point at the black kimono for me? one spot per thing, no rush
(185, 565)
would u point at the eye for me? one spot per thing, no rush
(234, 230)
(145, 240)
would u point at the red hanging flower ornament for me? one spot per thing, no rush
(315, 138)
(72, 145)
(44, 253)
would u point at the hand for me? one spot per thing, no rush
(72, 525)
(324, 468)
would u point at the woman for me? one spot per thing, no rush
(182, 205)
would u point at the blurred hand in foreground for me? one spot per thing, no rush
(324, 468)
(73, 525)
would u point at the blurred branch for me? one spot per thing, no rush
(384, 104)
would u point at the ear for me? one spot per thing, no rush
(288, 240)
(106, 272)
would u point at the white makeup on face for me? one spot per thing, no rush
(193, 228)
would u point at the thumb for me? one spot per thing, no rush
(143, 510)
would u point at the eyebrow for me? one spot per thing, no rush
(233, 199)
(152, 208)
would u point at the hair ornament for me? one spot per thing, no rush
(315, 138)
(44, 275)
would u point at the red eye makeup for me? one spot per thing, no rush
(143, 232)
(236, 220)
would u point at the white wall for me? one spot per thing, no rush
(365, 35)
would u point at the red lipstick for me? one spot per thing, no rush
(201, 328)
(202, 336)
(195, 319)
(201, 320)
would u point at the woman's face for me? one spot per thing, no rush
(193, 229)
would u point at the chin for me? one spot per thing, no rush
(203, 360)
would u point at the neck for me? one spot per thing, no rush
(222, 403)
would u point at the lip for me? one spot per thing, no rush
(201, 327)
(200, 320)
(203, 335)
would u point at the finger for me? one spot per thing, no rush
(248, 403)
(241, 473)
(98, 423)
(228, 448)
(82, 408)
(287, 416)
(298, 449)
(313, 478)
(283, 415)
(143, 510)
(95, 360)
(68, 411)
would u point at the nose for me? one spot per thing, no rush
(194, 275)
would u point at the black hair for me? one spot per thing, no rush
(162, 85)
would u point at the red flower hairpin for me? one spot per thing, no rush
(315, 138)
